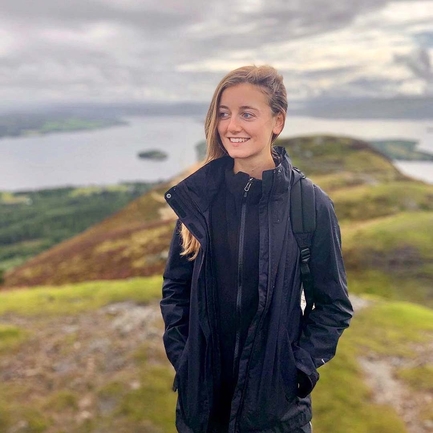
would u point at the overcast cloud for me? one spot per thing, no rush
(165, 50)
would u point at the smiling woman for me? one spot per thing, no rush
(245, 354)
(246, 128)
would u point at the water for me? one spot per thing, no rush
(109, 156)
(421, 131)
(421, 170)
(105, 156)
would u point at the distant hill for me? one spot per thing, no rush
(32, 221)
(42, 122)
(403, 107)
(369, 193)
(401, 150)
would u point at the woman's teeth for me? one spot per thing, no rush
(238, 140)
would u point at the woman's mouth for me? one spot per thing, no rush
(238, 140)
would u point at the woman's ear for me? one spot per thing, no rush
(279, 123)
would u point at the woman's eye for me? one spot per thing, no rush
(247, 115)
(223, 115)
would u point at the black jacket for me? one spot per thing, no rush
(279, 344)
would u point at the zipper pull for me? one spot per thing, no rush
(248, 185)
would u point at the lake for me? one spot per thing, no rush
(109, 156)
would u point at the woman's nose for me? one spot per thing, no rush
(234, 125)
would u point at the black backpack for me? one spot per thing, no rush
(303, 216)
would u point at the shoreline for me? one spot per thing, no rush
(65, 126)
(417, 170)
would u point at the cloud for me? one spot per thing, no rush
(419, 63)
(119, 50)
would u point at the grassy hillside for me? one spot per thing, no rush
(392, 256)
(348, 161)
(85, 357)
(393, 338)
(368, 202)
(33, 221)
(364, 185)
(114, 248)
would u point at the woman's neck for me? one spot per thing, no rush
(253, 168)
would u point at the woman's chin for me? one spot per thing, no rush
(237, 152)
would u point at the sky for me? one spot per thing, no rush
(55, 51)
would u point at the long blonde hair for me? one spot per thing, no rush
(271, 84)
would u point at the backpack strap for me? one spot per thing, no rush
(303, 216)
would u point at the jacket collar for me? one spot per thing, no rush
(203, 184)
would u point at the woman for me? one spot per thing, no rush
(244, 356)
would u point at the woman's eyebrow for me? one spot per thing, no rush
(243, 107)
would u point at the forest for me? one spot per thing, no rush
(33, 221)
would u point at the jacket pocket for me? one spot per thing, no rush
(180, 362)
(307, 375)
(289, 370)
(181, 380)
(192, 389)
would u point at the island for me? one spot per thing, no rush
(153, 154)
(201, 149)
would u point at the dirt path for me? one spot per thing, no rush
(387, 389)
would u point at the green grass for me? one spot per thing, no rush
(391, 256)
(371, 282)
(10, 338)
(395, 326)
(12, 199)
(91, 190)
(419, 378)
(149, 407)
(321, 155)
(153, 401)
(30, 419)
(373, 201)
(399, 245)
(401, 286)
(413, 229)
(341, 401)
(77, 298)
(62, 400)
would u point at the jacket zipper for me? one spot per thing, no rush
(240, 276)
(241, 403)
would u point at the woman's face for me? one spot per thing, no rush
(246, 123)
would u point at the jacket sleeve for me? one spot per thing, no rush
(176, 299)
(332, 308)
